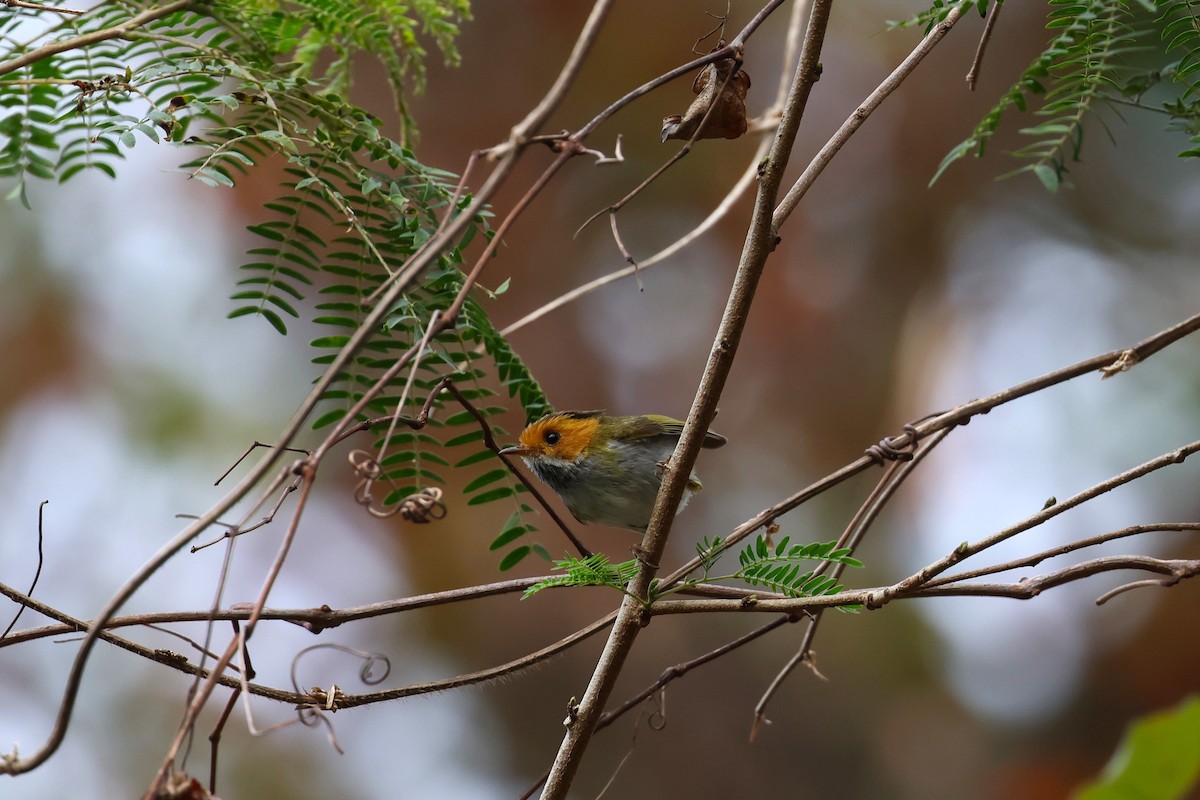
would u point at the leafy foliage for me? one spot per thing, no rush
(937, 13)
(595, 570)
(513, 529)
(1091, 62)
(778, 568)
(259, 85)
(316, 32)
(775, 567)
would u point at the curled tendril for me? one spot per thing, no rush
(424, 506)
(366, 467)
(370, 663)
(656, 718)
(325, 701)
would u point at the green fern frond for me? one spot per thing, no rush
(253, 83)
(320, 39)
(778, 568)
(1071, 74)
(1102, 50)
(1180, 21)
(594, 570)
(937, 13)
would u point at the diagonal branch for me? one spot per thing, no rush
(864, 110)
(87, 39)
(759, 244)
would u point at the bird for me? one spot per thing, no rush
(606, 469)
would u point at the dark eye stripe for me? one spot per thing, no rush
(552, 437)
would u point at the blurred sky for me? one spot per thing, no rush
(124, 392)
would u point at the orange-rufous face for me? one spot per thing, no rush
(559, 436)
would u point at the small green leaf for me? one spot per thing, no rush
(507, 535)
(514, 557)
(281, 140)
(328, 418)
(1048, 175)
(485, 479)
(491, 495)
(275, 320)
(464, 438)
(475, 458)
(1159, 757)
(461, 418)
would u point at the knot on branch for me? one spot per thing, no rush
(877, 600)
(643, 557)
(895, 448)
(1125, 361)
(325, 700)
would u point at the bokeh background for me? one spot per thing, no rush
(124, 393)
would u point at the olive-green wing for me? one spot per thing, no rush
(660, 425)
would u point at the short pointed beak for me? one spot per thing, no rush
(515, 450)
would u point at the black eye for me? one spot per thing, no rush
(552, 437)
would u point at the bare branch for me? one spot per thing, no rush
(86, 39)
(40, 7)
(717, 214)
(759, 243)
(984, 38)
(885, 489)
(670, 674)
(37, 573)
(855, 120)
(966, 550)
(1080, 544)
(1176, 570)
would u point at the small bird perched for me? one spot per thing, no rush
(606, 469)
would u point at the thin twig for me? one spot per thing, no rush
(200, 696)
(679, 154)
(717, 214)
(254, 446)
(37, 573)
(670, 674)
(864, 110)
(984, 38)
(885, 489)
(93, 37)
(39, 7)
(1070, 547)
(768, 123)
(232, 531)
(966, 549)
